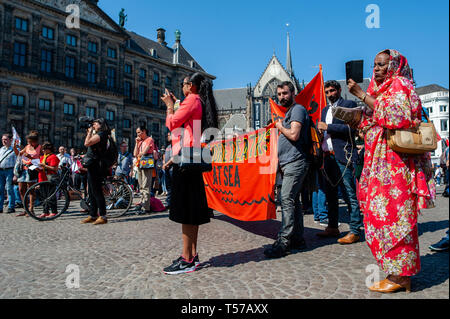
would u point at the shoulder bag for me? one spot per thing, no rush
(146, 161)
(416, 140)
(193, 159)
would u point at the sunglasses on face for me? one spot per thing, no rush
(184, 83)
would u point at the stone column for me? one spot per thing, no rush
(7, 41)
(80, 111)
(32, 108)
(60, 45)
(57, 125)
(83, 61)
(35, 43)
(101, 109)
(4, 103)
(102, 66)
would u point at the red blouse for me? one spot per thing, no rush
(188, 115)
(53, 161)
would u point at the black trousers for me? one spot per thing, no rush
(97, 203)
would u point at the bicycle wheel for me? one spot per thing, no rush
(43, 199)
(118, 197)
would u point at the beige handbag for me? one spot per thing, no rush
(418, 140)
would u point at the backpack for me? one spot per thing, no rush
(315, 149)
(111, 154)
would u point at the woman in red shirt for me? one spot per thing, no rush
(48, 166)
(189, 206)
(49, 163)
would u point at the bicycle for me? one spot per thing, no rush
(51, 198)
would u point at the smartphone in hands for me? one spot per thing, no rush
(167, 92)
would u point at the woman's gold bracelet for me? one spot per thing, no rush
(364, 97)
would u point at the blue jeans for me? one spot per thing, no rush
(319, 200)
(17, 193)
(168, 183)
(163, 180)
(334, 170)
(6, 178)
(292, 227)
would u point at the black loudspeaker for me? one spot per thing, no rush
(354, 70)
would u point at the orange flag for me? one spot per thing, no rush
(241, 184)
(278, 111)
(312, 97)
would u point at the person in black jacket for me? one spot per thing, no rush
(340, 155)
(96, 141)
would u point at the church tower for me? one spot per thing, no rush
(266, 87)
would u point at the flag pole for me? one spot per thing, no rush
(322, 95)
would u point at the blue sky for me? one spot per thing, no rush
(235, 39)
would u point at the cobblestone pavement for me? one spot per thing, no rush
(124, 259)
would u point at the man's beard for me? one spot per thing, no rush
(287, 103)
(333, 99)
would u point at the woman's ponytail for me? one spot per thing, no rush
(209, 114)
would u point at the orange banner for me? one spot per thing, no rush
(278, 111)
(312, 97)
(241, 184)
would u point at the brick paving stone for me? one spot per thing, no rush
(125, 258)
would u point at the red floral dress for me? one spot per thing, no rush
(393, 186)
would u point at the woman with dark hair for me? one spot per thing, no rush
(49, 162)
(96, 141)
(145, 147)
(394, 186)
(189, 206)
(48, 166)
(28, 177)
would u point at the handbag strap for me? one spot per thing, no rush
(5, 156)
(426, 115)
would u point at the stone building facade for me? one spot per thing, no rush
(51, 74)
(435, 99)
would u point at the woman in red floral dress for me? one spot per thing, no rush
(394, 187)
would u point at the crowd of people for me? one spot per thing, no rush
(384, 190)
(18, 171)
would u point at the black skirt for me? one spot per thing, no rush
(188, 204)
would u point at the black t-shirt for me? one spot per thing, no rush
(98, 150)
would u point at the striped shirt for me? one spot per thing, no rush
(10, 159)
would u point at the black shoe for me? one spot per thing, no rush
(11, 210)
(440, 246)
(18, 205)
(180, 266)
(297, 245)
(196, 260)
(277, 250)
(1, 211)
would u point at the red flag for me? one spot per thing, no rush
(312, 97)
(278, 111)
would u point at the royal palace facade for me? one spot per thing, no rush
(51, 73)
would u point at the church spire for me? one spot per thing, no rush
(289, 58)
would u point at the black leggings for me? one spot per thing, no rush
(95, 191)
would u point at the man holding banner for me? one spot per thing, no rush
(293, 156)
